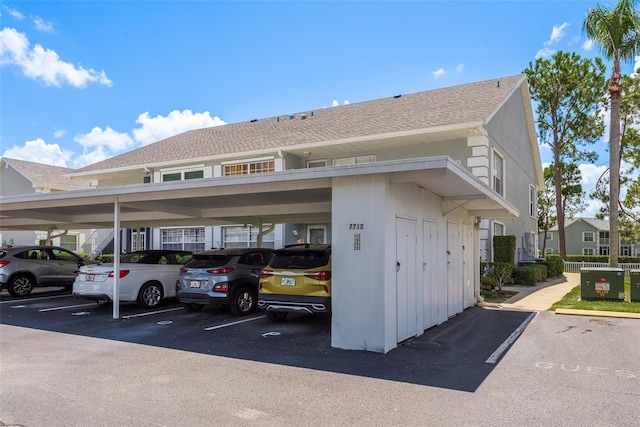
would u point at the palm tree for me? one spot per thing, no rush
(616, 31)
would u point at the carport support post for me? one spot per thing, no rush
(116, 259)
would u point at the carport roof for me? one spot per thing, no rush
(300, 195)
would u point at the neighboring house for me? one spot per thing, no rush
(586, 236)
(409, 190)
(19, 177)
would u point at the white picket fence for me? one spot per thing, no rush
(574, 267)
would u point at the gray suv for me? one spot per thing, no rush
(24, 267)
(223, 277)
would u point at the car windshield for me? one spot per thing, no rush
(207, 261)
(299, 259)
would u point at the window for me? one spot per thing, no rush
(604, 250)
(588, 251)
(498, 173)
(245, 237)
(548, 250)
(498, 229)
(354, 160)
(69, 241)
(532, 201)
(249, 167)
(603, 236)
(316, 163)
(179, 176)
(186, 239)
(588, 236)
(549, 236)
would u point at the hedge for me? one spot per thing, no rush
(601, 258)
(526, 276)
(504, 249)
(555, 265)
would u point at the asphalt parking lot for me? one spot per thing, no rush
(65, 361)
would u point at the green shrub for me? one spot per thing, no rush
(504, 249)
(497, 273)
(541, 272)
(555, 265)
(106, 258)
(525, 276)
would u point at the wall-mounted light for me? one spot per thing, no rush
(294, 232)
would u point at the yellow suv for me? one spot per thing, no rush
(298, 280)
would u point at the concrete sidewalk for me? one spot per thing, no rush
(542, 296)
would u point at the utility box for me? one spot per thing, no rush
(635, 285)
(602, 283)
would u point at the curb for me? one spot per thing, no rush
(596, 313)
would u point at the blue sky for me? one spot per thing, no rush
(86, 80)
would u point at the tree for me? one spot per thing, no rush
(616, 31)
(569, 93)
(572, 197)
(629, 212)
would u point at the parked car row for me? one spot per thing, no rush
(296, 278)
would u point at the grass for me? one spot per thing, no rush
(572, 300)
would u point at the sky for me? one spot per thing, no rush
(82, 81)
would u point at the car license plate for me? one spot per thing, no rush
(89, 277)
(195, 284)
(288, 281)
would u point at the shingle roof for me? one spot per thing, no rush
(468, 103)
(46, 176)
(598, 224)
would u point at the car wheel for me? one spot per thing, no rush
(243, 302)
(192, 306)
(21, 285)
(277, 316)
(150, 295)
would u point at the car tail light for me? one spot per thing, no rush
(319, 275)
(264, 274)
(225, 270)
(3, 263)
(123, 273)
(326, 289)
(183, 270)
(220, 287)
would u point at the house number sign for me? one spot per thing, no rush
(356, 226)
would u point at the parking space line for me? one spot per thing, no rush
(514, 336)
(66, 307)
(149, 313)
(211, 328)
(32, 299)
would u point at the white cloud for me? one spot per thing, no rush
(13, 12)
(590, 176)
(438, 73)
(158, 128)
(43, 64)
(557, 33)
(40, 152)
(90, 157)
(109, 138)
(545, 53)
(460, 68)
(59, 133)
(335, 103)
(588, 45)
(42, 25)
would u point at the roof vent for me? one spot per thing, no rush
(291, 116)
(498, 83)
(303, 116)
(397, 96)
(254, 120)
